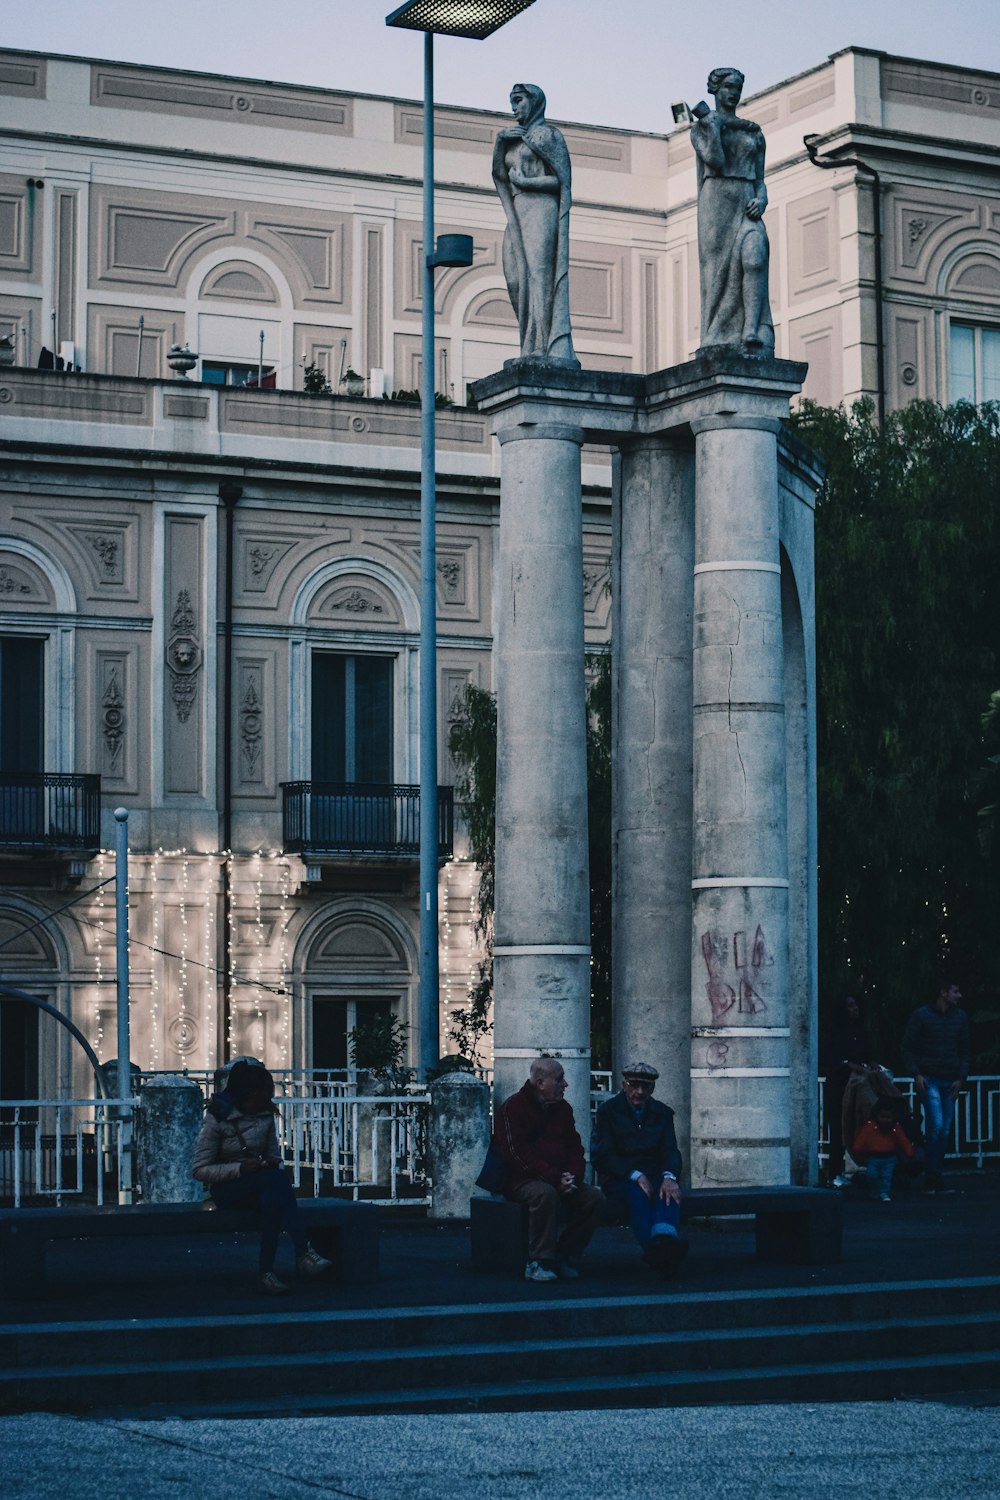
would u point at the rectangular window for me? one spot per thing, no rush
(214, 372)
(351, 718)
(974, 363)
(18, 1049)
(334, 1019)
(21, 704)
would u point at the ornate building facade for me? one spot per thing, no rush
(209, 591)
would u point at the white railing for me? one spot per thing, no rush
(975, 1130)
(333, 1139)
(371, 1144)
(51, 1150)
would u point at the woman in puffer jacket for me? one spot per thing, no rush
(237, 1155)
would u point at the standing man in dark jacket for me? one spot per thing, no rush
(634, 1151)
(536, 1135)
(936, 1053)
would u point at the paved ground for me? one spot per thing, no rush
(912, 1238)
(913, 1450)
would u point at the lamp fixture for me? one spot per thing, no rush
(476, 19)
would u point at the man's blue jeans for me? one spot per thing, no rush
(646, 1219)
(939, 1111)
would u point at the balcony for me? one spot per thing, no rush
(49, 813)
(326, 818)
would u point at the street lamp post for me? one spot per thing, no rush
(476, 20)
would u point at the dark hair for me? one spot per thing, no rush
(246, 1078)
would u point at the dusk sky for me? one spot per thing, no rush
(610, 62)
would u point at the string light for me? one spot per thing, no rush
(230, 876)
(259, 966)
(97, 1040)
(154, 973)
(284, 919)
(211, 994)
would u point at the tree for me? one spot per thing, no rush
(473, 744)
(908, 653)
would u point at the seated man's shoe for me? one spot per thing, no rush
(664, 1254)
(271, 1285)
(538, 1270)
(567, 1271)
(311, 1263)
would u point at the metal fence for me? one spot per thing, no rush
(334, 1140)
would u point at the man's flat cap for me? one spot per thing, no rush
(644, 1072)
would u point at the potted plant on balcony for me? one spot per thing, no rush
(353, 383)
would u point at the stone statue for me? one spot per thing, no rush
(733, 250)
(532, 173)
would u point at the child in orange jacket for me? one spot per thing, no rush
(879, 1142)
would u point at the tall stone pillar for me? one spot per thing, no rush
(542, 924)
(740, 968)
(651, 600)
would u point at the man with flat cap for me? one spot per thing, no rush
(634, 1152)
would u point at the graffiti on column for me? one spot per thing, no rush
(741, 961)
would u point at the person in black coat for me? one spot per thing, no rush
(634, 1152)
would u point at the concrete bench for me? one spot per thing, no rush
(345, 1232)
(794, 1225)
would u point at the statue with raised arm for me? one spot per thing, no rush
(532, 173)
(733, 251)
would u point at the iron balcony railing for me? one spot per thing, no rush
(48, 810)
(326, 817)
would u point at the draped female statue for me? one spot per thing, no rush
(532, 173)
(733, 250)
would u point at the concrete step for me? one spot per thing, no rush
(546, 1316)
(492, 1367)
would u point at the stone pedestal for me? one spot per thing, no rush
(458, 1132)
(167, 1122)
(542, 923)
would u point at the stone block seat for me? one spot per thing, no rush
(794, 1225)
(345, 1232)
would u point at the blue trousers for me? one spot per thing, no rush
(269, 1193)
(939, 1111)
(646, 1219)
(879, 1174)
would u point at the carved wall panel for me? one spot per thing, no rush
(922, 228)
(67, 213)
(356, 601)
(21, 212)
(448, 284)
(22, 77)
(254, 708)
(329, 349)
(930, 87)
(372, 296)
(102, 556)
(272, 562)
(238, 281)
(113, 709)
(909, 364)
(113, 340)
(22, 582)
(813, 245)
(452, 682)
(113, 687)
(150, 238)
(454, 130)
(183, 708)
(596, 576)
(816, 338)
(243, 101)
(20, 321)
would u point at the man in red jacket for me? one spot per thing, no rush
(536, 1135)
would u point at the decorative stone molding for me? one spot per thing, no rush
(251, 723)
(108, 550)
(182, 1033)
(357, 602)
(113, 720)
(183, 656)
(12, 583)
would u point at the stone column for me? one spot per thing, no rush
(651, 594)
(542, 924)
(740, 971)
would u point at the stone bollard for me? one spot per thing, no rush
(458, 1132)
(168, 1120)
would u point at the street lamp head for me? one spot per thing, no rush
(476, 19)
